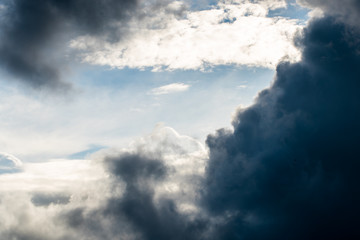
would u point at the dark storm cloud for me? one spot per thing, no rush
(30, 29)
(136, 211)
(290, 169)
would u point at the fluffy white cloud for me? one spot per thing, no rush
(233, 32)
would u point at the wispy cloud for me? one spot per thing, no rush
(242, 86)
(170, 88)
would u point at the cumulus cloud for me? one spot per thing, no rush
(147, 191)
(289, 169)
(170, 88)
(232, 32)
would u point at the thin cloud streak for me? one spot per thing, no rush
(169, 89)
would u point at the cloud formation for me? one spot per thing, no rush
(161, 35)
(346, 10)
(289, 169)
(30, 31)
(232, 32)
(148, 191)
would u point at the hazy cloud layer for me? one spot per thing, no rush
(232, 32)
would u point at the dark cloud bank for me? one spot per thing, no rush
(289, 170)
(30, 30)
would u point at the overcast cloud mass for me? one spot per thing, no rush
(287, 170)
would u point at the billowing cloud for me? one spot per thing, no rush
(148, 191)
(233, 32)
(170, 88)
(289, 169)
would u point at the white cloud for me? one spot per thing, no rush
(33, 198)
(233, 32)
(170, 88)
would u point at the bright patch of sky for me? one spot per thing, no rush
(112, 107)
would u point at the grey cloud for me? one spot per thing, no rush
(30, 30)
(289, 170)
(137, 208)
(347, 10)
(45, 199)
(153, 220)
(130, 203)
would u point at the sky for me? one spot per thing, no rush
(161, 119)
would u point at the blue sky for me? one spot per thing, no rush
(110, 104)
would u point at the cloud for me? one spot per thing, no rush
(151, 176)
(347, 10)
(45, 199)
(289, 169)
(9, 163)
(147, 191)
(170, 88)
(232, 32)
(161, 35)
(31, 33)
